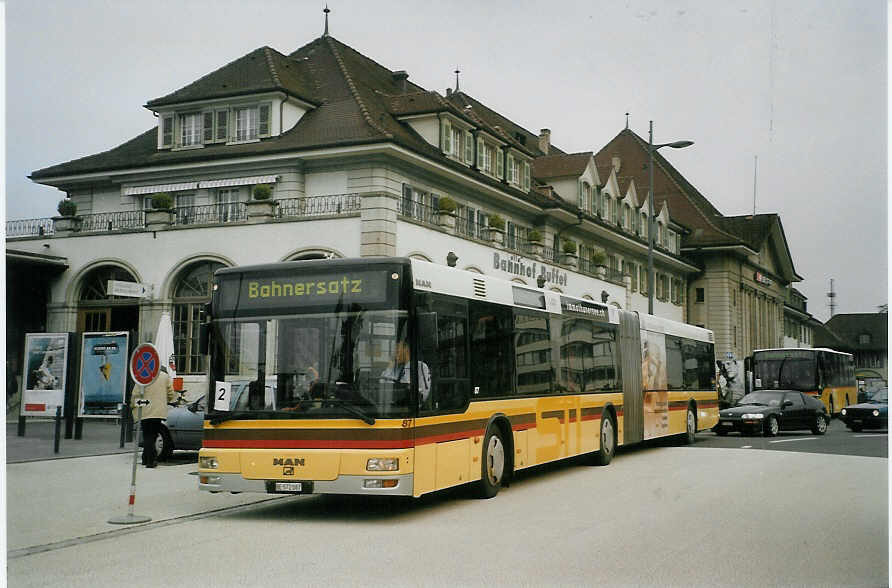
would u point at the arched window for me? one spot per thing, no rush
(606, 213)
(99, 311)
(586, 195)
(192, 291)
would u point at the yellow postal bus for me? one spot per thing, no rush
(399, 377)
(826, 374)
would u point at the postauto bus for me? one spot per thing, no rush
(825, 374)
(400, 377)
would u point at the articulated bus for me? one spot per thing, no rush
(826, 374)
(394, 376)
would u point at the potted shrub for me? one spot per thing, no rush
(569, 249)
(497, 229)
(446, 213)
(537, 247)
(261, 208)
(599, 261)
(160, 216)
(67, 221)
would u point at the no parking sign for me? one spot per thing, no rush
(144, 364)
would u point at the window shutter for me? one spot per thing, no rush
(207, 123)
(469, 148)
(481, 148)
(167, 130)
(447, 137)
(263, 127)
(222, 125)
(508, 171)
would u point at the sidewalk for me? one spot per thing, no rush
(51, 498)
(99, 437)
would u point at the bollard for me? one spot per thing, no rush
(58, 429)
(21, 428)
(123, 424)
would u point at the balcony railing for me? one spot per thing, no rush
(319, 205)
(30, 227)
(110, 221)
(210, 214)
(418, 211)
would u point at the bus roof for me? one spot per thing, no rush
(806, 349)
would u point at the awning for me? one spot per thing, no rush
(248, 181)
(137, 190)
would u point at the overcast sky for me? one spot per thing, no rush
(799, 83)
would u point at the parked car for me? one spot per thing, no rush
(873, 414)
(183, 428)
(770, 411)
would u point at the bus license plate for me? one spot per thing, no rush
(289, 487)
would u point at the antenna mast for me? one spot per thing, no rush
(831, 299)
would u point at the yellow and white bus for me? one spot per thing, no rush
(502, 377)
(826, 374)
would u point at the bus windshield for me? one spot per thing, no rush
(787, 370)
(314, 365)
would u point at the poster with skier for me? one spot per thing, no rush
(103, 374)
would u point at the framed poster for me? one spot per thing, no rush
(43, 381)
(103, 375)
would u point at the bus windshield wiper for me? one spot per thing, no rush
(351, 407)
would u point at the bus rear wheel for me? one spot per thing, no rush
(607, 449)
(493, 466)
(690, 433)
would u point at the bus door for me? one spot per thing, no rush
(632, 422)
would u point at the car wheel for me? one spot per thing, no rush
(690, 431)
(820, 426)
(604, 455)
(771, 426)
(493, 466)
(163, 444)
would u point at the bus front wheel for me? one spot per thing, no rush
(690, 433)
(493, 466)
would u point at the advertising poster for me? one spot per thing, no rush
(43, 382)
(730, 381)
(103, 374)
(653, 378)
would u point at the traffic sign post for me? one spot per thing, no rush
(144, 367)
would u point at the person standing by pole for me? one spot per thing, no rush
(159, 394)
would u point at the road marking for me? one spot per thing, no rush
(747, 447)
(876, 435)
(788, 440)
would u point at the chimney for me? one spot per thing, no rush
(400, 78)
(617, 163)
(544, 140)
(449, 91)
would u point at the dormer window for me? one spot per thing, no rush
(225, 124)
(246, 124)
(190, 129)
(518, 173)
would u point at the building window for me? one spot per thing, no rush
(227, 204)
(606, 211)
(191, 293)
(246, 124)
(190, 129)
(167, 130)
(643, 227)
(864, 339)
(184, 204)
(701, 295)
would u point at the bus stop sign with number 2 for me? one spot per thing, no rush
(144, 364)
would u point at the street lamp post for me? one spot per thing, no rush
(651, 213)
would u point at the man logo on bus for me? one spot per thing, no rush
(288, 461)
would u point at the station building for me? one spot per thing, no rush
(362, 162)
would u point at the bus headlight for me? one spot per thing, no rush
(208, 463)
(755, 415)
(383, 464)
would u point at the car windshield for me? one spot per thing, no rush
(321, 365)
(787, 370)
(762, 399)
(881, 397)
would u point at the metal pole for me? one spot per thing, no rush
(58, 430)
(650, 222)
(132, 518)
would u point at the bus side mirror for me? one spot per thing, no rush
(203, 338)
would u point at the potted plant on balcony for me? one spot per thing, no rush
(497, 229)
(599, 261)
(67, 221)
(446, 213)
(261, 208)
(570, 257)
(160, 216)
(537, 246)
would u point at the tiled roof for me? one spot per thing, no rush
(261, 70)
(356, 100)
(752, 230)
(849, 327)
(561, 165)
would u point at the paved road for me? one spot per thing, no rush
(838, 440)
(658, 516)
